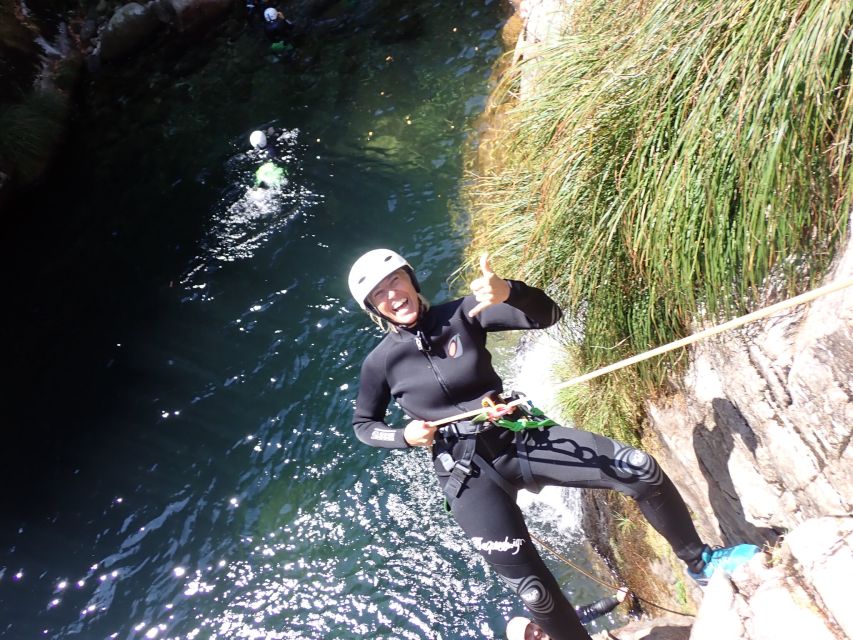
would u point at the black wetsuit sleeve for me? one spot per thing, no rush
(374, 395)
(526, 308)
(590, 612)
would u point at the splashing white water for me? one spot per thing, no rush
(532, 372)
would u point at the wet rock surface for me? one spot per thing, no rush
(664, 628)
(190, 14)
(798, 591)
(758, 436)
(128, 28)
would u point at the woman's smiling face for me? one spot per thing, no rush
(396, 299)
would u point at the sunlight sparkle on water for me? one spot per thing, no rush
(331, 568)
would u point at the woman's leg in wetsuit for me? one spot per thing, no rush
(567, 457)
(573, 458)
(493, 522)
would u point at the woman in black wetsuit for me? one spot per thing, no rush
(434, 363)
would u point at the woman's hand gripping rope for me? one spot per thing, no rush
(419, 433)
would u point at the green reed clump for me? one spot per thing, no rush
(670, 158)
(608, 405)
(29, 132)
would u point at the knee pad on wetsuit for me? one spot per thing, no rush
(532, 591)
(638, 465)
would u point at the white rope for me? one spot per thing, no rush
(712, 331)
(677, 344)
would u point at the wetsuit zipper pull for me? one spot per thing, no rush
(422, 342)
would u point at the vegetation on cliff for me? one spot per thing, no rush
(671, 157)
(34, 97)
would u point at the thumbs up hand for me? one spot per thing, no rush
(488, 289)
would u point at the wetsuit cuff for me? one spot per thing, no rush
(516, 291)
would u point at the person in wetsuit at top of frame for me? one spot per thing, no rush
(433, 361)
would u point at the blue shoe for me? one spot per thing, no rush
(725, 559)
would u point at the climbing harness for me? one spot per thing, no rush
(467, 461)
(464, 465)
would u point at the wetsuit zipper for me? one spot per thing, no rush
(438, 378)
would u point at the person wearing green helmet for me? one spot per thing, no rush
(434, 362)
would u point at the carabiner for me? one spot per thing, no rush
(495, 411)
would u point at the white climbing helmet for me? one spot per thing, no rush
(270, 14)
(371, 268)
(258, 139)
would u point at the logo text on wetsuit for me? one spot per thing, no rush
(506, 544)
(379, 434)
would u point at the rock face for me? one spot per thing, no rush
(129, 27)
(758, 440)
(759, 436)
(823, 552)
(133, 23)
(544, 21)
(800, 594)
(190, 14)
(664, 628)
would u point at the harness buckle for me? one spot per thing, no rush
(464, 467)
(458, 475)
(449, 431)
(446, 461)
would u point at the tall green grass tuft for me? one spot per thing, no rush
(672, 157)
(29, 133)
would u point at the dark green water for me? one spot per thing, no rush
(179, 459)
